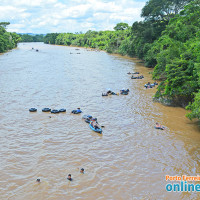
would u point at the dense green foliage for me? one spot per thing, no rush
(32, 38)
(168, 40)
(50, 38)
(103, 40)
(177, 53)
(7, 40)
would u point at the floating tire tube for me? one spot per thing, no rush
(32, 109)
(46, 110)
(124, 93)
(55, 111)
(62, 110)
(87, 116)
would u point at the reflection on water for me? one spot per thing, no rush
(128, 161)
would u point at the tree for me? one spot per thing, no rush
(7, 40)
(162, 9)
(121, 26)
(4, 24)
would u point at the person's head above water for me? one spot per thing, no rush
(69, 177)
(82, 170)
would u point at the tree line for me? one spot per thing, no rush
(8, 40)
(166, 40)
(32, 38)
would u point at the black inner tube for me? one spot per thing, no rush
(32, 109)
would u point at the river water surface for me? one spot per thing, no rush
(128, 161)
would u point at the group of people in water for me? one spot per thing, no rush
(150, 85)
(69, 177)
(133, 73)
(137, 77)
(109, 92)
(35, 50)
(93, 121)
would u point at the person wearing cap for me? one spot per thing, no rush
(82, 171)
(69, 177)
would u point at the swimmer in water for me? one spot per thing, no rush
(82, 171)
(69, 177)
(158, 126)
(38, 180)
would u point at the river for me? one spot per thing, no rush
(128, 161)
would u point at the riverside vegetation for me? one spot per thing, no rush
(168, 40)
(8, 40)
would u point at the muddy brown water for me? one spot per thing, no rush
(128, 161)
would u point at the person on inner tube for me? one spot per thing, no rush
(158, 126)
(78, 110)
(95, 124)
(92, 122)
(109, 92)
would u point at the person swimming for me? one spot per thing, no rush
(69, 177)
(38, 180)
(82, 171)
